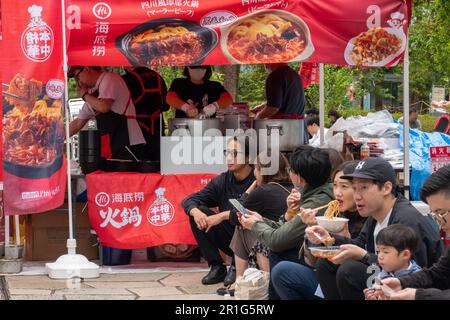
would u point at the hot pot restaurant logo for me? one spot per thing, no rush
(161, 212)
(37, 39)
(102, 10)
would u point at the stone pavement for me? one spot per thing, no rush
(139, 283)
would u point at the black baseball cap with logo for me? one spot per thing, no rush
(376, 169)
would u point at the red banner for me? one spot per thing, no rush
(32, 87)
(133, 210)
(309, 73)
(369, 33)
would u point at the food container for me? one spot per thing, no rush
(335, 224)
(324, 252)
(195, 127)
(291, 133)
(235, 122)
(150, 48)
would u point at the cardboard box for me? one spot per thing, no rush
(46, 234)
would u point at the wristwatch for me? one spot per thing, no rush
(366, 258)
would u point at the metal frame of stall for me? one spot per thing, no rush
(76, 265)
(406, 173)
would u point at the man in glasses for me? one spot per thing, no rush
(212, 230)
(432, 283)
(108, 99)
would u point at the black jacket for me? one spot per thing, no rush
(433, 283)
(403, 212)
(217, 192)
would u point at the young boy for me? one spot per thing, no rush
(395, 246)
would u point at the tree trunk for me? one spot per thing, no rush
(231, 79)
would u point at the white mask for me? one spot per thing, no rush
(197, 74)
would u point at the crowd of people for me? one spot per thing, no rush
(384, 230)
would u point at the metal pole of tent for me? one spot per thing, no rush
(67, 116)
(406, 119)
(322, 104)
(6, 231)
(17, 229)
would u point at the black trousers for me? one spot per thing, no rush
(342, 282)
(218, 237)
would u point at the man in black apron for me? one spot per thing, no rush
(109, 101)
(148, 92)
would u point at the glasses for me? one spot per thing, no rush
(233, 153)
(77, 74)
(440, 217)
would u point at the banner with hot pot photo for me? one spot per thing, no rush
(363, 33)
(132, 210)
(32, 90)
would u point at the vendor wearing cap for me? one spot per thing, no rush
(197, 94)
(109, 101)
(345, 275)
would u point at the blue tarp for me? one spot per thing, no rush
(419, 153)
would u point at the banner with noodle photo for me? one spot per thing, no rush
(32, 91)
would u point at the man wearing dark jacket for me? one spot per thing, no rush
(374, 184)
(213, 231)
(432, 283)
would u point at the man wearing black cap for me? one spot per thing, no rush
(374, 182)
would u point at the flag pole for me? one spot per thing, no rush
(70, 265)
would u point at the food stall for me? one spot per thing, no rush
(140, 210)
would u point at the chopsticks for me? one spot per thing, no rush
(6, 93)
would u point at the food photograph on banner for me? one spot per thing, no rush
(128, 145)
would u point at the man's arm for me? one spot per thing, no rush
(266, 112)
(208, 197)
(100, 105)
(76, 125)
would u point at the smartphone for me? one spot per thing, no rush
(238, 206)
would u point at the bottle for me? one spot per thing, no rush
(365, 151)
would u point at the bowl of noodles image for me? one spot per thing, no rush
(376, 47)
(265, 37)
(33, 130)
(167, 41)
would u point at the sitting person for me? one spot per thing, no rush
(430, 283)
(333, 115)
(310, 172)
(414, 122)
(267, 195)
(313, 126)
(395, 246)
(213, 231)
(293, 281)
(374, 183)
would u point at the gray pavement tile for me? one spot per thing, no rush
(31, 292)
(201, 289)
(93, 291)
(97, 297)
(35, 297)
(132, 277)
(124, 285)
(152, 292)
(191, 279)
(37, 282)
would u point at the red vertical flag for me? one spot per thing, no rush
(309, 73)
(32, 85)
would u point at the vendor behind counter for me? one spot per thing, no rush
(196, 94)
